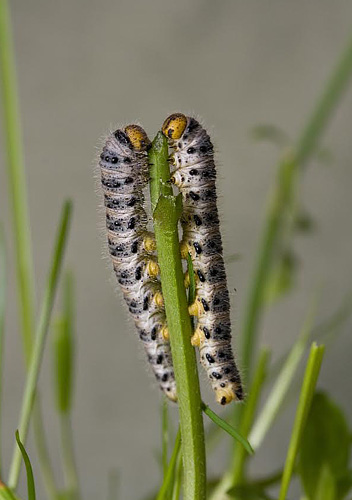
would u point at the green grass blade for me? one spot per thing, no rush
(228, 428)
(64, 349)
(2, 324)
(235, 474)
(27, 462)
(6, 493)
(167, 483)
(178, 479)
(308, 388)
(21, 223)
(166, 215)
(325, 107)
(192, 281)
(306, 146)
(281, 386)
(17, 179)
(249, 411)
(43, 325)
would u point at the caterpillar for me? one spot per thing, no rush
(195, 177)
(124, 174)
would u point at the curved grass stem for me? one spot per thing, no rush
(166, 212)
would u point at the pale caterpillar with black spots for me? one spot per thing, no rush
(124, 175)
(195, 177)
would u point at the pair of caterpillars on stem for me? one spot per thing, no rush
(125, 174)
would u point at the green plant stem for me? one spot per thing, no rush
(2, 324)
(308, 388)
(166, 215)
(43, 325)
(165, 487)
(21, 225)
(69, 462)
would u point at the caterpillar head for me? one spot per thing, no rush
(138, 138)
(174, 126)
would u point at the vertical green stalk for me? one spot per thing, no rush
(308, 388)
(166, 212)
(43, 325)
(2, 324)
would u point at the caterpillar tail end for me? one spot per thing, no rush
(224, 396)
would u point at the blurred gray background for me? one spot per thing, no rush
(86, 66)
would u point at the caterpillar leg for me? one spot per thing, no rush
(153, 269)
(149, 243)
(158, 299)
(165, 332)
(198, 337)
(197, 308)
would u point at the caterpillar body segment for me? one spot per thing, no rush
(195, 176)
(124, 175)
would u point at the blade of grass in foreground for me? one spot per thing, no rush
(308, 388)
(234, 476)
(281, 386)
(17, 180)
(167, 483)
(27, 462)
(43, 325)
(2, 323)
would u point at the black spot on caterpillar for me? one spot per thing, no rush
(195, 177)
(124, 174)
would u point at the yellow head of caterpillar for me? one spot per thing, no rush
(174, 126)
(137, 137)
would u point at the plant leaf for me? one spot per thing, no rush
(326, 487)
(325, 444)
(27, 463)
